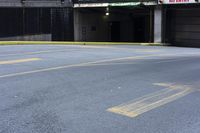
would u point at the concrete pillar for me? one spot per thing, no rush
(158, 25)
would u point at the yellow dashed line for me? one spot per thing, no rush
(73, 65)
(18, 61)
(85, 64)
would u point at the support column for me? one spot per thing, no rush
(158, 25)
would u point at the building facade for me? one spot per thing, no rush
(176, 22)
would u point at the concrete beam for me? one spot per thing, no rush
(36, 4)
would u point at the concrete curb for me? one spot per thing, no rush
(76, 43)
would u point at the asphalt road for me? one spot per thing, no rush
(99, 89)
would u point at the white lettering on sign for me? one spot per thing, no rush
(178, 1)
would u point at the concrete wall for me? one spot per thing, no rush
(42, 37)
(90, 26)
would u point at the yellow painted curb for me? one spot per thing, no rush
(76, 43)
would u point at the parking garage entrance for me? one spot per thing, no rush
(182, 26)
(120, 24)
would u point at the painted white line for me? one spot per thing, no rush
(107, 64)
(172, 60)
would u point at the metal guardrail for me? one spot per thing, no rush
(41, 0)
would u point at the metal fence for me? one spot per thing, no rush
(37, 21)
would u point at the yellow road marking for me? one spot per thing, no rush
(95, 47)
(73, 65)
(122, 48)
(151, 101)
(85, 64)
(35, 52)
(18, 61)
(172, 60)
(42, 51)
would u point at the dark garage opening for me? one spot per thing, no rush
(123, 24)
(115, 31)
(139, 29)
(182, 26)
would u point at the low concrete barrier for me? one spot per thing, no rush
(39, 37)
